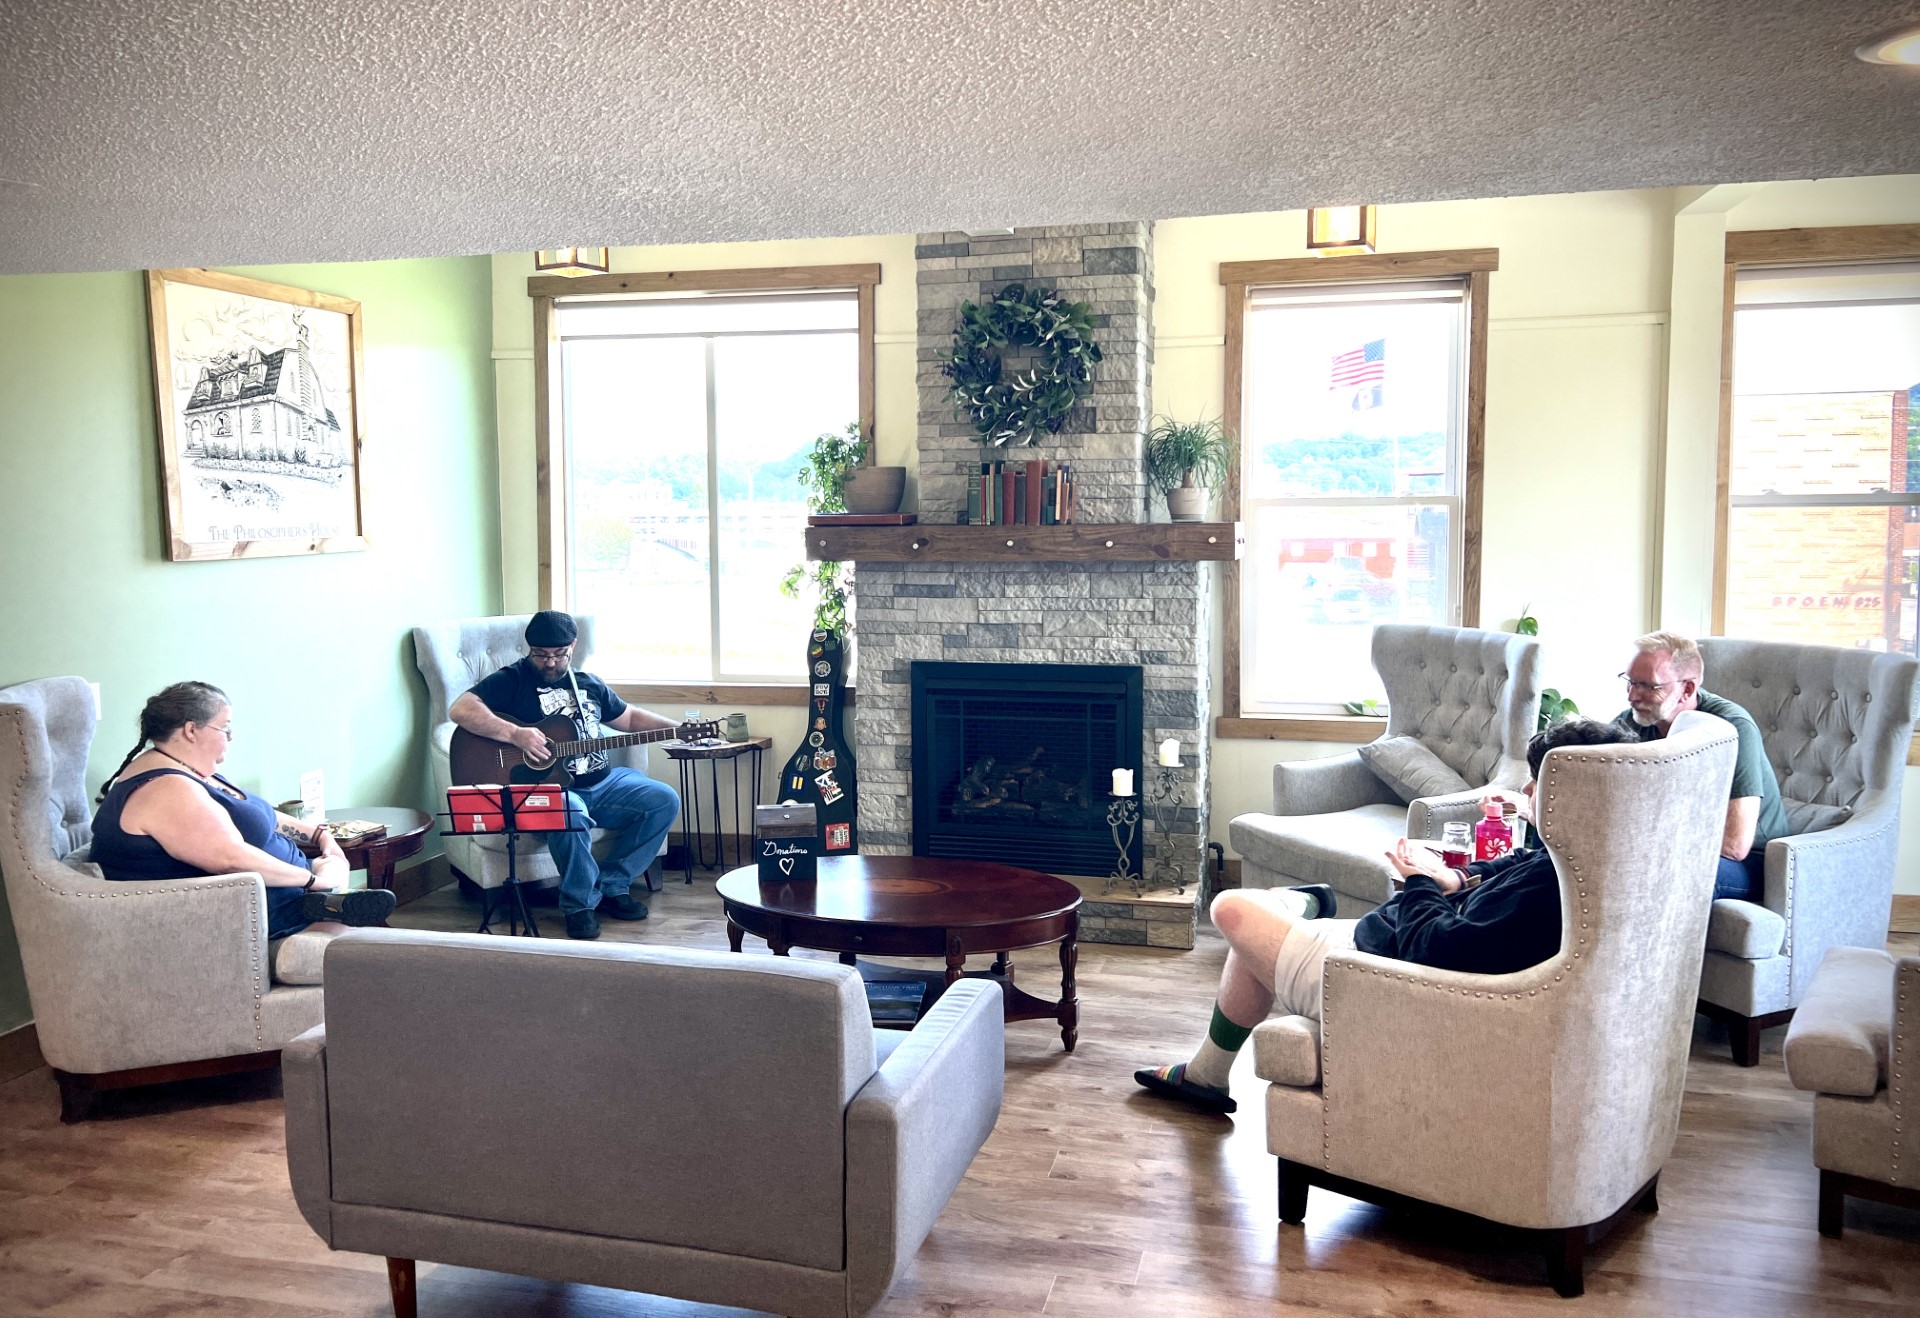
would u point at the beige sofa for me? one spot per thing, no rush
(132, 983)
(706, 1125)
(1855, 1043)
(1547, 1099)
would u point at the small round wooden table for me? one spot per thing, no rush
(406, 834)
(917, 906)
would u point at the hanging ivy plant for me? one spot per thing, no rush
(1013, 413)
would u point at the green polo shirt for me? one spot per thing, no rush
(1752, 771)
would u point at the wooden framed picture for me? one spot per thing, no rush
(259, 389)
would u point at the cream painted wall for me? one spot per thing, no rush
(896, 406)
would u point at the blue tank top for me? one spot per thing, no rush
(124, 855)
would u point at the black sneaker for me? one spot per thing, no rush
(359, 909)
(1322, 894)
(583, 924)
(623, 907)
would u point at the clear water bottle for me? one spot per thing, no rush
(1492, 837)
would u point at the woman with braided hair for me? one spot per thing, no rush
(166, 814)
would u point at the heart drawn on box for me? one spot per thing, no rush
(786, 864)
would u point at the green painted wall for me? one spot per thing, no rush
(314, 649)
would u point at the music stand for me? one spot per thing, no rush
(514, 817)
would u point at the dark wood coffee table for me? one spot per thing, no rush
(916, 906)
(406, 834)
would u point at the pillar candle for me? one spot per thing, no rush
(1170, 753)
(1123, 782)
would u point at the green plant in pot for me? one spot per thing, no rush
(1186, 461)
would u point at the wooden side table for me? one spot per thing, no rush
(686, 755)
(406, 834)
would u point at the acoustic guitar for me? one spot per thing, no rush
(473, 759)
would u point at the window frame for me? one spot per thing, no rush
(1474, 266)
(549, 431)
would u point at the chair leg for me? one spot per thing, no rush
(1744, 1034)
(400, 1283)
(76, 1099)
(1833, 1205)
(1566, 1253)
(1650, 1201)
(1294, 1185)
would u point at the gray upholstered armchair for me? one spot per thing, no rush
(1461, 705)
(453, 656)
(1837, 724)
(1547, 1099)
(132, 983)
(735, 1130)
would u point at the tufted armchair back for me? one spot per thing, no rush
(52, 730)
(1836, 723)
(452, 656)
(1470, 696)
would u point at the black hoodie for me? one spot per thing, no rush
(1509, 922)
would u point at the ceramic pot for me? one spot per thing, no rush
(1187, 503)
(875, 489)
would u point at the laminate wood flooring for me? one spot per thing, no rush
(1089, 1201)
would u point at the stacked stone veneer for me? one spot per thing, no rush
(1151, 614)
(1107, 266)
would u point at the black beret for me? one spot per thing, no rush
(551, 629)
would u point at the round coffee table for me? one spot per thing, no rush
(918, 906)
(406, 834)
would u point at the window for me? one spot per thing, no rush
(1822, 523)
(674, 418)
(1358, 477)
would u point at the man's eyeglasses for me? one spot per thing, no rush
(1634, 684)
(547, 656)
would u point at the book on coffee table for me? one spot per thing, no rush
(354, 830)
(895, 1001)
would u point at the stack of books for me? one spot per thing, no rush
(1035, 493)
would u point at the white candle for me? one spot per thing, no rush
(1170, 753)
(1123, 782)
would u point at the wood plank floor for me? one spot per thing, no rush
(1089, 1200)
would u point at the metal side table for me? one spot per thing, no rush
(688, 756)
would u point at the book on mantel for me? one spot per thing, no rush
(863, 519)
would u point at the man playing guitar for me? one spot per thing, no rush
(626, 802)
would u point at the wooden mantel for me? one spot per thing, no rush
(1124, 542)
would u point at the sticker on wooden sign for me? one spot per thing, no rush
(829, 788)
(839, 837)
(826, 760)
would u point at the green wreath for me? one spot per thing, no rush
(1013, 413)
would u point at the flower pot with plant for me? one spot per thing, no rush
(830, 464)
(1186, 461)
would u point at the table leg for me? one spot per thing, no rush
(849, 959)
(379, 867)
(1003, 966)
(956, 959)
(686, 818)
(1069, 996)
(734, 934)
(779, 949)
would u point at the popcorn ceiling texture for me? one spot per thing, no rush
(166, 132)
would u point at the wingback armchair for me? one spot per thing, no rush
(131, 983)
(1836, 724)
(1546, 1099)
(1463, 699)
(734, 1130)
(452, 657)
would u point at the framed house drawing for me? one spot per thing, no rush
(259, 391)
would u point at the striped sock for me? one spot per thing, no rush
(1214, 1060)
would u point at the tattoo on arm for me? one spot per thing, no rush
(294, 832)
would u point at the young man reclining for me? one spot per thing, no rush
(1492, 918)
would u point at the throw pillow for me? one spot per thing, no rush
(1410, 769)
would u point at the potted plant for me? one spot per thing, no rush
(830, 465)
(1186, 460)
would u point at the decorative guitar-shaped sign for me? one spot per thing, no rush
(472, 758)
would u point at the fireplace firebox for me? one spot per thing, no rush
(1014, 762)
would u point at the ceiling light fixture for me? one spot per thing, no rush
(1334, 230)
(1900, 48)
(572, 260)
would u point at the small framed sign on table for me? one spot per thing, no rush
(786, 843)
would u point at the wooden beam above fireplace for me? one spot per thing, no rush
(1124, 542)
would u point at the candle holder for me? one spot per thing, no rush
(1164, 802)
(1123, 818)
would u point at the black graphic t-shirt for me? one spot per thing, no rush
(519, 692)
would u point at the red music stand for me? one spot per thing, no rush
(509, 810)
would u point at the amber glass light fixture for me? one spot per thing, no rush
(572, 260)
(1332, 230)
(1900, 48)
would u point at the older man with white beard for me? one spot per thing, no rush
(1663, 682)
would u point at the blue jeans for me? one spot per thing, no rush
(637, 810)
(1741, 878)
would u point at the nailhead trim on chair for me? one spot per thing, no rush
(1897, 1072)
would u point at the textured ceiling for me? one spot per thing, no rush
(155, 132)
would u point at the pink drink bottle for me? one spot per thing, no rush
(1492, 836)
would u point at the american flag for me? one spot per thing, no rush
(1366, 364)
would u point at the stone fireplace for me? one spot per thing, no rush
(1116, 612)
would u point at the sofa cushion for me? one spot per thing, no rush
(1837, 1043)
(1812, 817)
(1745, 929)
(298, 958)
(1410, 769)
(1286, 1051)
(1346, 848)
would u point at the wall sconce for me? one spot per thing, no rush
(572, 260)
(1333, 230)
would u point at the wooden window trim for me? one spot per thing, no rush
(1475, 265)
(548, 456)
(677, 694)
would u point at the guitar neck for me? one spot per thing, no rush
(569, 749)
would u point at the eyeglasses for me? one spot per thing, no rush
(545, 655)
(226, 731)
(1651, 688)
